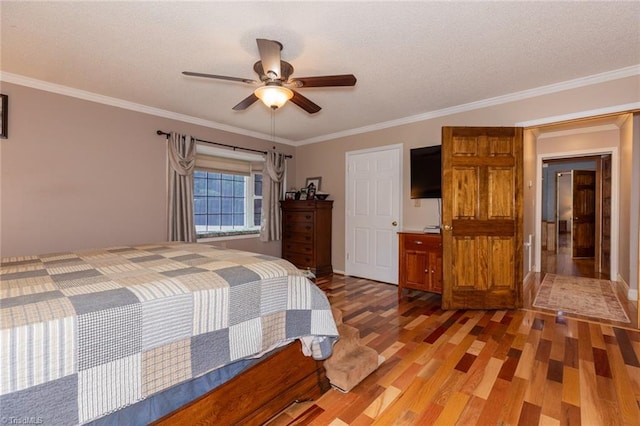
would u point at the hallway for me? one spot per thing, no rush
(562, 263)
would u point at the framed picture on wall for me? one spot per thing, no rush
(4, 116)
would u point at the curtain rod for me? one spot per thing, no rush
(160, 132)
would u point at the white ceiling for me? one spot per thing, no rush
(410, 58)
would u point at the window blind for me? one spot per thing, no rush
(223, 165)
(224, 161)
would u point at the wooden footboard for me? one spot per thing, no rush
(257, 394)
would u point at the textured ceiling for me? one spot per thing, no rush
(410, 58)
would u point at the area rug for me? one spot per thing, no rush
(584, 296)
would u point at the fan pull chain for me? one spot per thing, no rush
(273, 126)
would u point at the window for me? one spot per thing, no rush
(226, 203)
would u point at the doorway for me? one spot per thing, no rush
(573, 218)
(608, 199)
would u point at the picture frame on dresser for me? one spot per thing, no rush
(316, 181)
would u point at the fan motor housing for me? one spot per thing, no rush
(286, 69)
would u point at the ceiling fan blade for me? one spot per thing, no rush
(325, 81)
(270, 57)
(219, 77)
(304, 103)
(246, 102)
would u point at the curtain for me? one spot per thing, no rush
(272, 177)
(182, 154)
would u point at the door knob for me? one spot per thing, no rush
(448, 228)
(394, 223)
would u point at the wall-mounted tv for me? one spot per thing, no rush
(426, 172)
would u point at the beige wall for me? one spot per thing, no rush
(327, 159)
(65, 186)
(593, 141)
(77, 174)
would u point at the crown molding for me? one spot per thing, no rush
(498, 100)
(581, 114)
(579, 131)
(132, 106)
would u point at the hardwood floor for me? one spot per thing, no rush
(562, 262)
(519, 367)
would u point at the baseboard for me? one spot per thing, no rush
(528, 276)
(632, 294)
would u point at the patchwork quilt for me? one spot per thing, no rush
(85, 334)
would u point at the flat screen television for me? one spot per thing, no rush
(426, 172)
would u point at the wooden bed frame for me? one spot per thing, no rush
(259, 393)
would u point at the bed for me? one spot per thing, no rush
(158, 332)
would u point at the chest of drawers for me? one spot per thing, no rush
(306, 234)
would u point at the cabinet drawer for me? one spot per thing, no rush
(298, 237)
(303, 216)
(289, 247)
(302, 227)
(419, 242)
(300, 260)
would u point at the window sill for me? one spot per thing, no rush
(228, 235)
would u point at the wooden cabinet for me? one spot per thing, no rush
(420, 262)
(306, 234)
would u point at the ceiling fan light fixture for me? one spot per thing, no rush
(273, 96)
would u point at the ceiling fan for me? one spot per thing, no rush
(276, 88)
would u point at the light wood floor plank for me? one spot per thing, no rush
(491, 370)
(381, 403)
(552, 400)
(627, 400)
(571, 386)
(510, 412)
(452, 409)
(590, 404)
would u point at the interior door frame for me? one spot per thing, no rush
(400, 148)
(615, 226)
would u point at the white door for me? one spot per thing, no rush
(373, 213)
